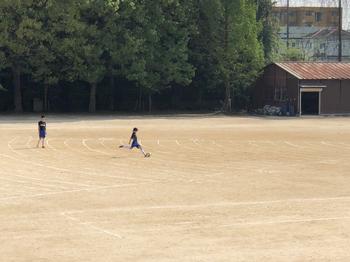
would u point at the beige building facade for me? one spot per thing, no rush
(308, 16)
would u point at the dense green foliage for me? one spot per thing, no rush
(80, 55)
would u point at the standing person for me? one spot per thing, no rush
(42, 131)
(134, 143)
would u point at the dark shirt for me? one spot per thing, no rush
(134, 137)
(42, 125)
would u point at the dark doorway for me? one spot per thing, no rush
(310, 103)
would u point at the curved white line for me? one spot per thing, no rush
(84, 142)
(49, 145)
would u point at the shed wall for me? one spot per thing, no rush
(275, 79)
(345, 96)
(335, 97)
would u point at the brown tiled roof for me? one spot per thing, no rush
(328, 32)
(317, 70)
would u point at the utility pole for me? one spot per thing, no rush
(340, 27)
(287, 24)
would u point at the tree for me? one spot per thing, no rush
(148, 44)
(268, 35)
(50, 63)
(205, 40)
(241, 52)
(122, 42)
(226, 51)
(164, 53)
(20, 33)
(90, 52)
(291, 54)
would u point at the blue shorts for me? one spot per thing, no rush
(42, 133)
(135, 144)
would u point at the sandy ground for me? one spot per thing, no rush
(215, 189)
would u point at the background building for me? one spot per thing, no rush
(321, 3)
(305, 87)
(323, 45)
(307, 16)
(314, 31)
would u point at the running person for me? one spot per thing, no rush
(42, 132)
(133, 143)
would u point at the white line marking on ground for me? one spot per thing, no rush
(52, 180)
(219, 204)
(195, 141)
(25, 184)
(49, 145)
(28, 142)
(344, 144)
(66, 170)
(270, 142)
(292, 145)
(187, 147)
(101, 230)
(218, 145)
(252, 143)
(247, 224)
(84, 142)
(102, 142)
(65, 142)
(324, 143)
(329, 144)
(72, 191)
(290, 221)
(105, 146)
(11, 148)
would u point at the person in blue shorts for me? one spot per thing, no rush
(133, 143)
(42, 132)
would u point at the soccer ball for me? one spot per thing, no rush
(148, 155)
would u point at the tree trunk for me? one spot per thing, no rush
(92, 104)
(150, 103)
(200, 98)
(46, 92)
(227, 101)
(17, 90)
(111, 97)
(140, 99)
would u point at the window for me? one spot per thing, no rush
(277, 93)
(293, 44)
(276, 15)
(308, 13)
(280, 93)
(318, 16)
(334, 13)
(291, 13)
(283, 93)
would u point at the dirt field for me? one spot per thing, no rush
(215, 189)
